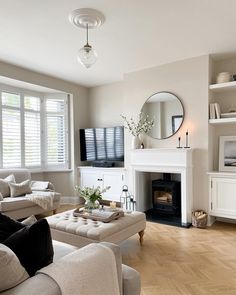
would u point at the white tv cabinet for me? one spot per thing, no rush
(93, 176)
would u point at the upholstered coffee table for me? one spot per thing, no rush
(79, 232)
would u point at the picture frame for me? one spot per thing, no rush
(227, 153)
(176, 122)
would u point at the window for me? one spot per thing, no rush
(56, 122)
(33, 130)
(11, 127)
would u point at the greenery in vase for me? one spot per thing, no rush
(91, 194)
(143, 125)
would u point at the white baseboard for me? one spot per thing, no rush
(71, 200)
(227, 220)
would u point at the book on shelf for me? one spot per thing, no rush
(217, 108)
(228, 115)
(214, 111)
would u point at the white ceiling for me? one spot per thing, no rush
(137, 34)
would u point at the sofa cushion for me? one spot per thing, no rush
(30, 220)
(4, 185)
(12, 272)
(32, 245)
(20, 189)
(8, 226)
(1, 197)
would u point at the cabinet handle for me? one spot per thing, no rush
(99, 179)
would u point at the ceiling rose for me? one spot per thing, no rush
(83, 16)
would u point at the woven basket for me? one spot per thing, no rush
(199, 221)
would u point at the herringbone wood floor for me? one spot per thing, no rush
(175, 261)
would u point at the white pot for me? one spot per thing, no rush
(136, 143)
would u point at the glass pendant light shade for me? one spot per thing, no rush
(87, 56)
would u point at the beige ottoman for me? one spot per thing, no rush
(80, 232)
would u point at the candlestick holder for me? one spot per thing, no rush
(186, 141)
(179, 146)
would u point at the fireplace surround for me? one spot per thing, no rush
(164, 160)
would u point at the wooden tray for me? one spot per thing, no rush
(115, 215)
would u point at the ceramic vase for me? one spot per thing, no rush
(135, 142)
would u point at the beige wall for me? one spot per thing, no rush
(63, 181)
(106, 104)
(188, 79)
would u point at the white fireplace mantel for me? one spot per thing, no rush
(163, 160)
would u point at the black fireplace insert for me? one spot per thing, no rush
(166, 197)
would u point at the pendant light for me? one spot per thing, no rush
(87, 18)
(87, 56)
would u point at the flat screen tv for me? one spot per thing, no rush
(102, 144)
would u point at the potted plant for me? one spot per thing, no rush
(143, 125)
(92, 196)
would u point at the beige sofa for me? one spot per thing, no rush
(21, 207)
(41, 284)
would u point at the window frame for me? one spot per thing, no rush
(43, 128)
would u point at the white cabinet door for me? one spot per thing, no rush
(115, 181)
(223, 197)
(90, 179)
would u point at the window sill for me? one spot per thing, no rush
(51, 171)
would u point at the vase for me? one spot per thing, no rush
(135, 142)
(91, 205)
(142, 139)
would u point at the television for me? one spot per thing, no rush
(102, 146)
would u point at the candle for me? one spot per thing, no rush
(113, 205)
(179, 139)
(186, 145)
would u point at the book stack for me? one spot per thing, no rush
(214, 111)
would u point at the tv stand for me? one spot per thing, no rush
(103, 164)
(99, 176)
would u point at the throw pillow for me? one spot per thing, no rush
(33, 246)
(20, 189)
(12, 272)
(29, 221)
(8, 227)
(4, 185)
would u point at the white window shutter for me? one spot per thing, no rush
(11, 130)
(32, 131)
(56, 131)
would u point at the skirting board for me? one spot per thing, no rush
(71, 200)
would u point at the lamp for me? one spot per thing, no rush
(87, 56)
(87, 18)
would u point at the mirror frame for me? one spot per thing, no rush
(171, 118)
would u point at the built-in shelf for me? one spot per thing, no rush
(222, 121)
(223, 86)
(222, 173)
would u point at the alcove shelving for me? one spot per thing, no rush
(222, 185)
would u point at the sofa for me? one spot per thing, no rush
(41, 284)
(21, 207)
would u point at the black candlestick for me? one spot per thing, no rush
(186, 144)
(179, 147)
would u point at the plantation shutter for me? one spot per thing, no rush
(32, 131)
(56, 130)
(11, 130)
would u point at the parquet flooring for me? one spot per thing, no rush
(174, 261)
(193, 261)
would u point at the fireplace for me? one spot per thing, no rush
(166, 197)
(144, 162)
